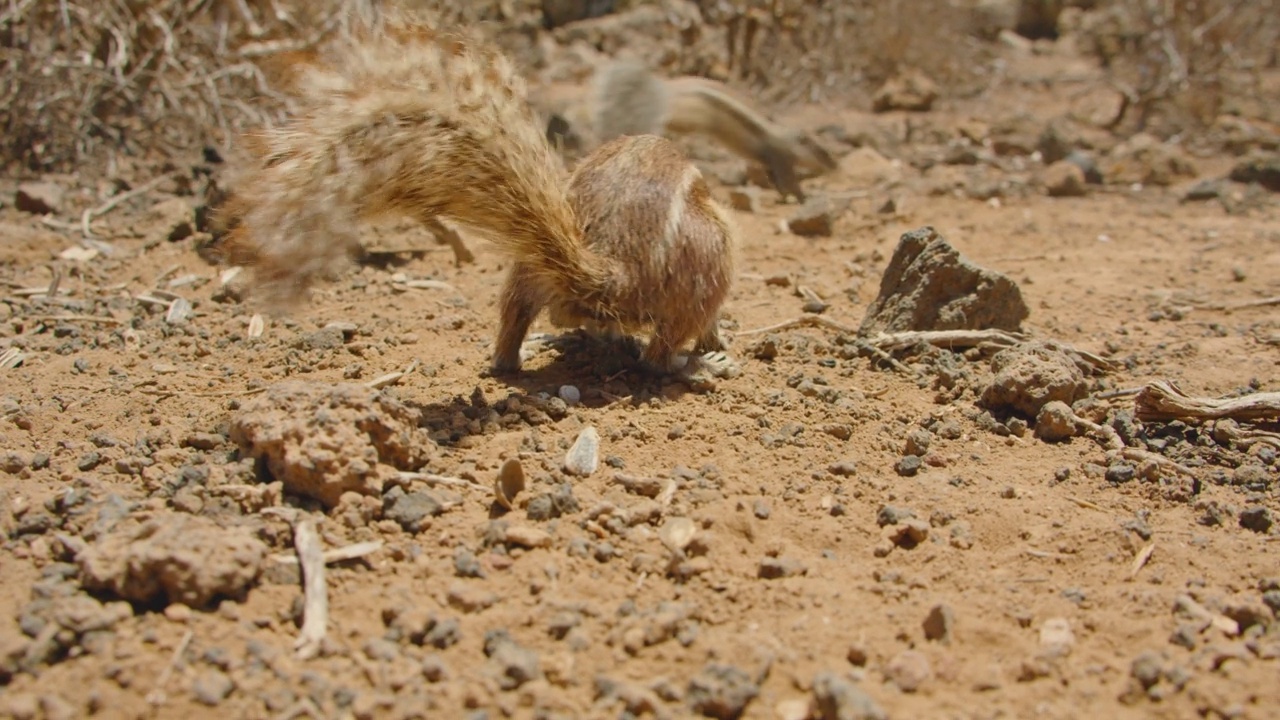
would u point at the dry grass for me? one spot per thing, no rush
(131, 76)
(83, 79)
(807, 50)
(1181, 63)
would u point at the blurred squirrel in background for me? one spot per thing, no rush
(626, 98)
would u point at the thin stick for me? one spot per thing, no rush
(431, 479)
(803, 321)
(1087, 504)
(1140, 455)
(315, 613)
(1263, 302)
(1138, 562)
(1122, 392)
(116, 200)
(76, 318)
(342, 554)
(157, 695)
(1046, 554)
(950, 339)
(391, 378)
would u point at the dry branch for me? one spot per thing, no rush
(1162, 400)
(315, 613)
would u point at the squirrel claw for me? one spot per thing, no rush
(704, 367)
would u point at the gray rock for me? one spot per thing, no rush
(721, 691)
(908, 465)
(411, 510)
(39, 198)
(512, 664)
(892, 515)
(465, 564)
(839, 699)
(211, 687)
(1147, 668)
(928, 285)
(918, 442)
(1256, 518)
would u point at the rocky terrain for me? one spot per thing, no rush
(1004, 443)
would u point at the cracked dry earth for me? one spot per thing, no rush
(826, 535)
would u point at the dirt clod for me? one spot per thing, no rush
(839, 699)
(721, 691)
(324, 440)
(176, 557)
(1029, 376)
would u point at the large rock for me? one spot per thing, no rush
(929, 285)
(324, 440)
(174, 557)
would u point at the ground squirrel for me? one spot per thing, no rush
(629, 99)
(409, 118)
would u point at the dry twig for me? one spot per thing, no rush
(1163, 400)
(315, 613)
(342, 554)
(1141, 560)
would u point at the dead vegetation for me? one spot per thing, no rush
(1181, 63)
(134, 76)
(86, 79)
(788, 53)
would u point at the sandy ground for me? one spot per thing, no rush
(1024, 592)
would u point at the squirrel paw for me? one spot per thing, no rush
(709, 365)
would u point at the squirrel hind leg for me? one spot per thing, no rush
(519, 306)
(445, 235)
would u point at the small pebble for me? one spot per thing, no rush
(909, 670)
(582, 459)
(939, 623)
(570, 394)
(211, 687)
(908, 466)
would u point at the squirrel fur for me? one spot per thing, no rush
(629, 99)
(407, 118)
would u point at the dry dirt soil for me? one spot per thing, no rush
(826, 535)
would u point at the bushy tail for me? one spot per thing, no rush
(406, 118)
(629, 100)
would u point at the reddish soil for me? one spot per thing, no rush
(786, 467)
